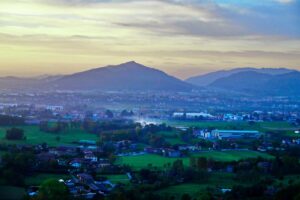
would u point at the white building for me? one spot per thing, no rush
(235, 134)
(191, 115)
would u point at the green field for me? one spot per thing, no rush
(11, 193)
(171, 137)
(147, 160)
(35, 136)
(40, 178)
(123, 178)
(143, 161)
(216, 180)
(260, 126)
(174, 141)
(232, 155)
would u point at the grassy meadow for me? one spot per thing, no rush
(35, 136)
(151, 160)
(119, 178)
(260, 126)
(216, 180)
(38, 179)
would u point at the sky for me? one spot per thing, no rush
(181, 37)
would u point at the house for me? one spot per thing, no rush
(189, 148)
(85, 178)
(229, 169)
(32, 122)
(152, 150)
(76, 163)
(232, 117)
(235, 134)
(45, 157)
(55, 108)
(191, 115)
(225, 190)
(88, 155)
(171, 153)
(63, 150)
(102, 163)
(202, 134)
(87, 142)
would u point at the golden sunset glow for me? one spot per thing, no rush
(181, 37)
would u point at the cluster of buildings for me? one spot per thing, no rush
(84, 186)
(172, 153)
(227, 134)
(255, 116)
(192, 115)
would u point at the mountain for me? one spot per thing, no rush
(251, 82)
(127, 76)
(15, 83)
(207, 79)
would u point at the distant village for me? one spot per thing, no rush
(138, 131)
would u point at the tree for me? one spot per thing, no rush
(125, 113)
(51, 189)
(109, 114)
(15, 134)
(6, 120)
(12, 177)
(57, 138)
(178, 168)
(290, 192)
(186, 197)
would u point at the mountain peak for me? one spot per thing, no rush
(126, 76)
(131, 64)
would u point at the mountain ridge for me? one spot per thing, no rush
(126, 76)
(287, 84)
(207, 79)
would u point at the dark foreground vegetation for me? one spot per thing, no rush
(119, 159)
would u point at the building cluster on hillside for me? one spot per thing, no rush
(226, 134)
(251, 116)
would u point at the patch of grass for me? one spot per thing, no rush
(217, 180)
(260, 126)
(174, 141)
(35, 136)
(40, 178)
(115, 179)
(291, 179)
(151, 160)
(11, 193)
(168, 134)
(171, 137)
(232, 155)
(144, 161)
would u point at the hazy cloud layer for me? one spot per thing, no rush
(43, 36)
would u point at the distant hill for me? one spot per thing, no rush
(252, 82)
(207, 79)
(15, 83)
(132, 76)
(127, 76)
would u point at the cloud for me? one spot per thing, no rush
(194, 32)
(285, 1)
